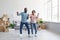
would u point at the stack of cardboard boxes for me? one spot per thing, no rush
(1, 25)
(4, 23)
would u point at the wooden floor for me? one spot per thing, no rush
(42, 35)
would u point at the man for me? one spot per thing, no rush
(24, 19)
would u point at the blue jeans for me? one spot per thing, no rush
(21, 26)
(33, 25)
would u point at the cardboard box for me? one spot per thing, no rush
(1, 29)
(3, 26)
(42, 26)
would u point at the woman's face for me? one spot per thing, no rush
(33, 12)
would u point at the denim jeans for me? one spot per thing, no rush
(33, 26)
(21, 26)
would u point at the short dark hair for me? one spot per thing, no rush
(25, 10)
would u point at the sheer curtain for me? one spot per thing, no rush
(53, 13)
(49, 10)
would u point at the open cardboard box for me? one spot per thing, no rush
(4, 23)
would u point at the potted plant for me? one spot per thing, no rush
(41, 21)
(42, 25)
(12, 25)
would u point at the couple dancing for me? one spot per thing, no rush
(24, 19)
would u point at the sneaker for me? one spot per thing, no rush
(35, 35)
(28, 35)
(20, 35)
(32, 35)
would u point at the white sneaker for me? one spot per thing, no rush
(28, 35)
(32, 35)
(20, 35)
(35, 35)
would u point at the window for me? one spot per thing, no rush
(53, 13)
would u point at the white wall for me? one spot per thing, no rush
(53, 26)
(12, 6)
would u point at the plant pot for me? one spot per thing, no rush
(43, 26)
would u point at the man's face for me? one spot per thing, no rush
(25, 10)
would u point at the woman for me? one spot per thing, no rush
(33, 19)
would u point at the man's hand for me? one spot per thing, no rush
(28, 16)
(17, 13)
